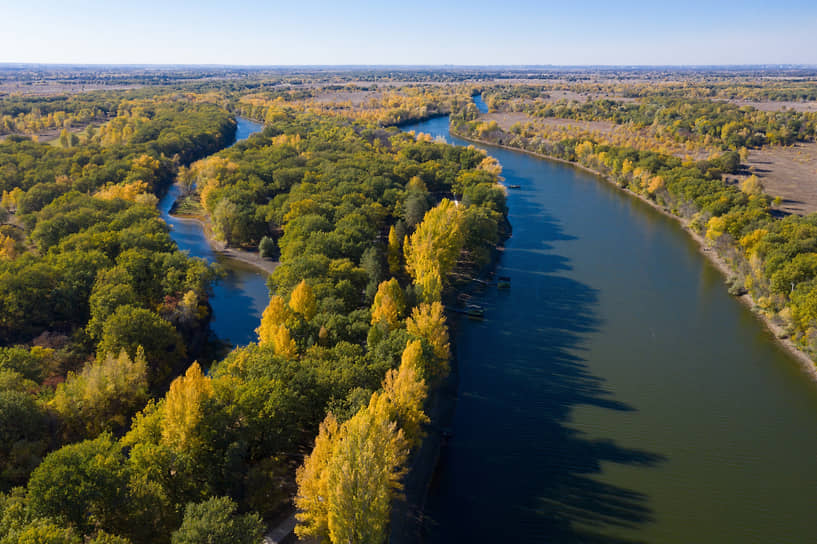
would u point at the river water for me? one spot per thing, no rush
(616, 393)
(239, 298)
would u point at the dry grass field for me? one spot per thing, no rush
(790, 173)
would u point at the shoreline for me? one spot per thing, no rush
(803, 360)
(221, 248)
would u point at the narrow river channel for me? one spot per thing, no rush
(617, 393)
(240, 297)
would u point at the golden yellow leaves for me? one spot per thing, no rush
(433, 249)
(276, 320)
(389, 304)
(8, 247)
(394, 251)
(427, 322)
(357, 466)
(752, 185)
(127, 191)
(302, 301)
(715, 228)
(183, 408)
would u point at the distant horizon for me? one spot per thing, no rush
(422, 33)
(411, 66)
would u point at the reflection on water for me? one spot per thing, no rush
(616, 393)
(240, 297)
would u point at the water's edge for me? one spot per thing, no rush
(800, 357)
(238, 298)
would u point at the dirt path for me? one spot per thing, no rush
(281, 532)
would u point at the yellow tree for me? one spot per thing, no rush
(104, 395)
(427, 322)
(433, 248)
(394, 251)
(364, 476)
(312, 478)
(283, 343)
(183, 408)
(8, 247)
(348, 482)
(302, 301)
(406, 392)
(389, 304)
(752, 185)
(276, 314)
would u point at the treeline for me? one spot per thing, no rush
(382, 106)
(773, 258)
(352, 339)
(98, 308)
(713, 123)
(33, 114)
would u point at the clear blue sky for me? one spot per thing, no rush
(409, 32)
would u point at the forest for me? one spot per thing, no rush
(113, 431)
(121, 425)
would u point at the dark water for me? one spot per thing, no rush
(241, 296)
(617, 393)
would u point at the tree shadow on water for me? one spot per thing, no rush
(515, 470)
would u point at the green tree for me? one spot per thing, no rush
(24, 436)
(129, 327)
(215, 521)
(84, 484)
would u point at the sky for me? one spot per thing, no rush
(411, 32)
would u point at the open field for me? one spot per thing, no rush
(777, 105)
(790, 173)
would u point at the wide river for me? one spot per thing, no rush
(240, 297)
(617, 393)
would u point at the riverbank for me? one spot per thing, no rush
(251, 258)
(803, 360)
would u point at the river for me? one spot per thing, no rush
(239, 298)
(616, 393)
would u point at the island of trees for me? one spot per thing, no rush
(112, 429)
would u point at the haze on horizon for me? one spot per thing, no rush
(310, 32)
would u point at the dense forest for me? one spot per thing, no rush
(111, 434)
(117, 427)
(99, 308)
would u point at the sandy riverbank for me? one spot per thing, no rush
(804, 361)
(251, 258)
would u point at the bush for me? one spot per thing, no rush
(266, 248)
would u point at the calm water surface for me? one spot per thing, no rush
(241, 296)
(617, 393)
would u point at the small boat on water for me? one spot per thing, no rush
(514, 186)
(475, 312)
(503, 282)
